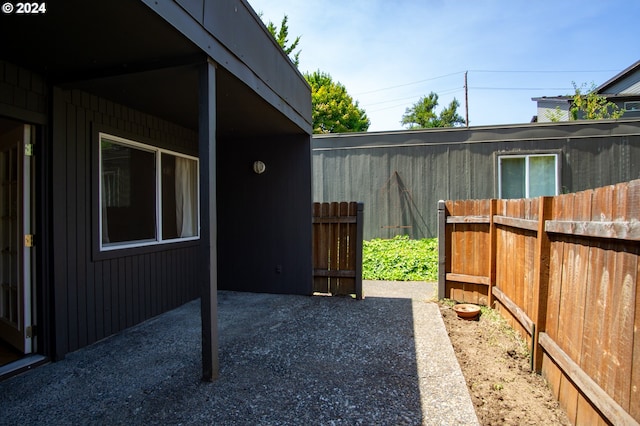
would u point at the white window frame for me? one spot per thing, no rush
(158, 210)
(526, 172)
(636, 106)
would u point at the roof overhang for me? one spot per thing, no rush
(135, 53)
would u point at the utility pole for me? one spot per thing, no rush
(466, 99)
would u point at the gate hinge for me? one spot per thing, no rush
(29, 240)
(31, 331)
(28, 149)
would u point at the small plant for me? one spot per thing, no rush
(400, 259)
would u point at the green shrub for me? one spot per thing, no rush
(400, 259)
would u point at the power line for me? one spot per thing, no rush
(440, 93)
(491, 71)
(544, 71)
(520, 88)
(409, 84)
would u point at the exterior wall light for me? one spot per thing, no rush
(259, 167)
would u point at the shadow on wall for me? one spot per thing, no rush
(403, 215)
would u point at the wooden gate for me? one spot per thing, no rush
(337, 248)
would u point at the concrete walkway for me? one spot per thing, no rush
(285, 360)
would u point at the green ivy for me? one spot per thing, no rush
(400, 259)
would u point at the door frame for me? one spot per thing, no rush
(21, 334)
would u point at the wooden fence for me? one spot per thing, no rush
(564, 271)
(337, 248)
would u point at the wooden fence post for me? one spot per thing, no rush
(493, 203)
(358, 248)
(442, 248)
(541, 284)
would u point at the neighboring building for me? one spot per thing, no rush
(623, 90)
(401, 175)
(129, 130)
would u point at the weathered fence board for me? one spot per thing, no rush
(337, 248)
(565, 272)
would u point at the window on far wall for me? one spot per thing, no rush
(528, 176)
(147, 195)
(632, 106)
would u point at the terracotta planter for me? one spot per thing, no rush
(467, 311)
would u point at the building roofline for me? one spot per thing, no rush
(631, 120)
(624, 73)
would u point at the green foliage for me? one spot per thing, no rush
(422, 114)
(281, 36)
(333, 110)
(400, 259)
(591, 105)
(554, 116)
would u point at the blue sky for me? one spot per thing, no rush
(390, 53)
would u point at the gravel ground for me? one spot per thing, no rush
(284, 360)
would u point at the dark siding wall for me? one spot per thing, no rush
(96, 296)
(400, 176)
(264, 221)
(23, 94)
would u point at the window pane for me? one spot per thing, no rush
(542, 176)
(128, 193)
(512, 177)
(179, 197)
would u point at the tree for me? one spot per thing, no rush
(281, 36)
(592, 106)
(422, 114)
(333, 110)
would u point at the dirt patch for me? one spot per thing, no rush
(496, 366)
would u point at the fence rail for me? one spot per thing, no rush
(565, 272)
(337, 248)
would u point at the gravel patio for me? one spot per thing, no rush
(284, 360)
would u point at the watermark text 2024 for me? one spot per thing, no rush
(31, 8)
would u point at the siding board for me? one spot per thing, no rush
(85, 306)
(71, 219)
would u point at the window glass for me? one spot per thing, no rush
(513, 177)
(128, 193)
(179, 197)
(542, 176)
(632, 106)
(142, 186)
(528, 176)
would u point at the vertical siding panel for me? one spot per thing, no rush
(176, 280)
(72, 230)
(100, 300)
(81, 183)
(59, 241)
(148, 294)
(179, 283)
(164, 279)
(157, 281)
(130, 290)
(180, 278)
(125, 276)
(107, 292)
(122, 293)
(142, 297)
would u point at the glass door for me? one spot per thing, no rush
(16, 235)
